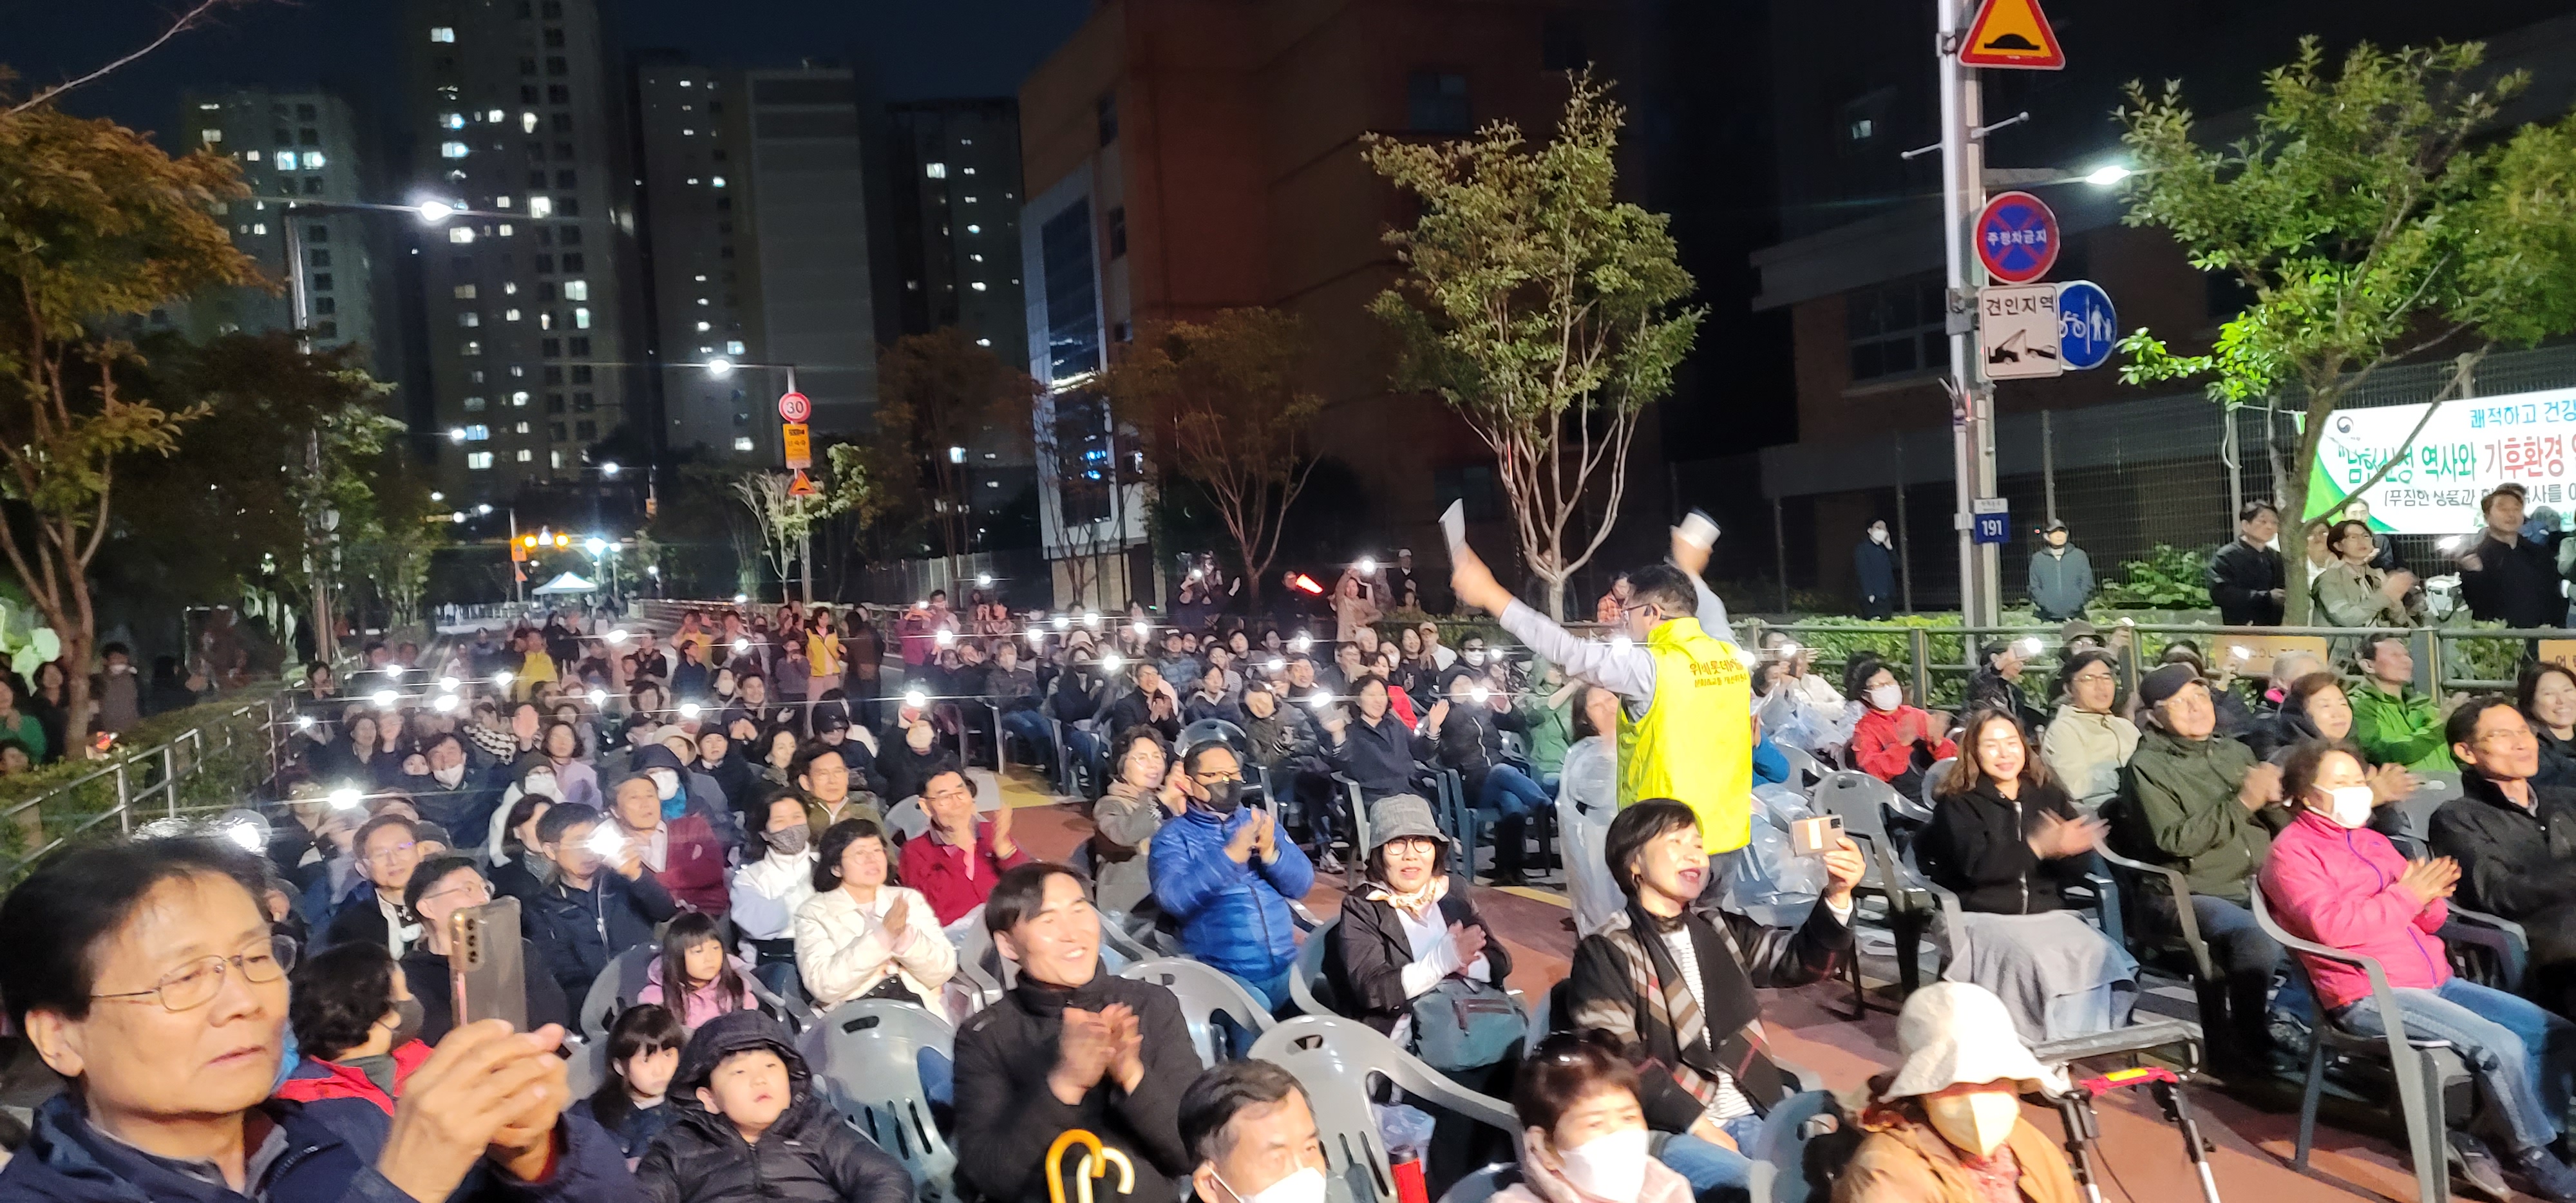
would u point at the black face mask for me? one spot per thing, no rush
(1225, 797)
(408, 1018)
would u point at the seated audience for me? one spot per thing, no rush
(1948, 1124)
(2197, 802)
(2332, 880)
(438, 890)
(751, 1127)
(1583, 1130)
(2314, 707)
(2515, 841)
(2391, 721)
(908, 767)
(633, 1103)
(117, 952)
(955, 863)
(1997, 684)
(1368, 744)
(1252, 1131)
(357, 1029)
(767, 892)
(681, 854)
(2548, 694)
(1463, 731)
(2007, 840)
(1411, 927)
(2086, 743)
(1221, 872)
(1587, 795)
(1893, 742)
(1681, 1002)
(594, 908)
(1070, 1046)
(695, 978)
(822, 773)
(388, 851)
(858, 936)
(1125, 818)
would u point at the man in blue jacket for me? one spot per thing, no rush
(1221, 871)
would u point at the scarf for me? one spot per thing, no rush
(1654, 978)
(1418, 903)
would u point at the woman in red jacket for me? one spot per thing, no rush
(1893, 742)
(2332, 880)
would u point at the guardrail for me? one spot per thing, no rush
(135, 786)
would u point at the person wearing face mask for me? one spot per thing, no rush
(458, 793)
(2332, 880)
(2086, 743)
(1252, 1130)
(357, 1032)
(1947, 1126)
(767, 892)
(1220, 870)
(1892, 741)
(1584, 1134)
(684, 790)
(1874, 570)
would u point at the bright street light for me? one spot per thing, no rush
(485, 508)
(456, 434)
(435, 212)
(595, 545)
(2107, 175)
(984, 579)
(609, 468)
(719, 368)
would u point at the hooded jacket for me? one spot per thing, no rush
(1007, 1115)
(808, 1153)
(2178, 807)
(1232, 916)
(2338, 887)
(703, 1004)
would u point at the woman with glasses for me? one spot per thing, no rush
(146, 975)
(2086, 744)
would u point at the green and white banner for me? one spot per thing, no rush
(2470, 446)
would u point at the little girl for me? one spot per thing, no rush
(709, 980)
(643, 1053)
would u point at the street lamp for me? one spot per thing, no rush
(2107, 175)
(609, 468)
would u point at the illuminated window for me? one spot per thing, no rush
(509, 315)
(451, 121)
(742, 442)
(460, 234)
(478, 460)
(576, 290)
(983, 342)
(210, 136)
(518, 399)
(259, 227)
(977, 286)
(469, 319)
(253, 156)
(718, 182)
(734, 347)
(471, 347)
(581, 318)
(541, 206)
(451, 150)
(474, 405)
(465, 292)
(526, 455)
(504, 231)
(936, 171)
(442, 33)
(556, 458)
(527, 123)
(703, 327)
(477, 433)
(496, 116)
(521, 428)
(974, 229)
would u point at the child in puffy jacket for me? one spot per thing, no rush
(710, 981)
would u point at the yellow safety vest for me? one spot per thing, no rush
(1695, 743)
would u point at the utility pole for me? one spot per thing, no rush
(1963, 194)
(326, 641)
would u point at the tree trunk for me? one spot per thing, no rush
(1555, 596)
(2290, 484)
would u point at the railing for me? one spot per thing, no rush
(137, 786)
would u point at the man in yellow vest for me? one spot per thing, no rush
(1686, 721)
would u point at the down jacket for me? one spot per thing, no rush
(1234, 917)
(2338, 887)
(809, 1153)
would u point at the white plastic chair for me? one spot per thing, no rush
(1333, 1059)
(615, 989)
(1204, 992)
(864, 1057)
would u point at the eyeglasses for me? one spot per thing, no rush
(195, 984)
(387, 856)
(949, 795)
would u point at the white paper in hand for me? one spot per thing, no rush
(1453, 526)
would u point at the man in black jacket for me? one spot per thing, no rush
(2515, 841)
(1071, 1046)
(2247, 578)
(1702, 1074)
(2507, 578)
(591, 910)
(750, 1127)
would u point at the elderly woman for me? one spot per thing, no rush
(2332, 880)
(2351, 593)
(1411, 927)
(1127, 816)
(1584, 1133)
(2086, 744)
(2006, 839)
(860, 935)
(1947, 1126)
(2201, 804)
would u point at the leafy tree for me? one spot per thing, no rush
(935, 392)
(2375, 214)
(1542, 310)
(784, 523)
(1220, 403)
(96, 225)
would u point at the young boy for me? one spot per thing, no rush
(750, 1127)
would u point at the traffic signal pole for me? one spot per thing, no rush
(1963, 194)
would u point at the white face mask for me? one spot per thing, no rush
(1976, 1122)
(542, 785)
(449, 777)
(1887, 697)
(666, 784)
(1475, 657)
(1304, 1186)
(1609, 1167)
(1878, 534)
(2351, 805)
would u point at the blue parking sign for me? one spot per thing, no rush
(2089, 328)
(1993, 520)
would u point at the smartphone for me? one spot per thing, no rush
(491, 976)
(1815, 837)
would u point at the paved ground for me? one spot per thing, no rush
(2355, 1155)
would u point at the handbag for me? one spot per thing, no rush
(1464, 1024)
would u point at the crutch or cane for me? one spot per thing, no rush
(2084, 1130)
(1095, 1163)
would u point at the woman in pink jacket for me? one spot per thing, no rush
(2332, 880)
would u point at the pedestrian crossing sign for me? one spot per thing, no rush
(2011, 33)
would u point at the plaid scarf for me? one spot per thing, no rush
(1656, 987)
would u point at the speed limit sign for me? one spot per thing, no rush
(793, 407)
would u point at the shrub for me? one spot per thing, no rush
(2169, 578)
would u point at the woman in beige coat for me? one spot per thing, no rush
(860, 937)
(1127, 816)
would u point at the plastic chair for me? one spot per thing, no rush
(1779, 1150)
(1204, 992)
(865, 1057)
(1862, 801)
(1309, 987)
(615, 989)
(1358, 834)
(1804, 769)
(1477, 1187)
(2414, 1063)
(907, 820)
(2487, 949)
(2179, 948)
(980, 964)
(1333, 1059)
(1932, 778)
(587, 1068)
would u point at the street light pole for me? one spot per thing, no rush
(326, 640)
(1963, 193)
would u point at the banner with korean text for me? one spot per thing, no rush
(2468, 448)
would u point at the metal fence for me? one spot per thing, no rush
(136, 786)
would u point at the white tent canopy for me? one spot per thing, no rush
(567, 583)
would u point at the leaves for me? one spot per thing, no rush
(2169, 578)
(936, 391)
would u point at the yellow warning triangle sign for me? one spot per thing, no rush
(802, 486)
(2011, 33)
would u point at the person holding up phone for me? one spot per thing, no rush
(600, 903)
(438, 890)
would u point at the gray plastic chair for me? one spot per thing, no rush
(1334, 1059)
(1204, 993)
(1862, 802)
(2503, 944)
(615, 989)
(864, 1056)
(2417, 1065)
(1308, 987)
(1778, 1150)
(587, 1068)
(907, 820)
(979, 964)
(1932, 778)
(1804, 769)
(1476, 1187)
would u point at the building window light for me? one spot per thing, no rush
(526, 455)
(504, 231)
(576, 290)
(474, 405)
(977, 286)
(970, 200)
(541, 206)
(702, 300)
(465, 292)
(460, 234)
(469, 319)
(734, 347)
(496, 116)
(688, 133)
(509, 315)
(527, 123)
(451, 150)
(451, 121)
(442, 33)
(521, 428)
(313, 160)
(477, 434)
(253, 156)
(518, 399)
(716, 182)
(556, 457)
(983, 342)
(210, 136)
(693, 180)
(478, 460)
(742, 442)
(546, 320)
(704, 327)
(500, 202)
(581, 318)
(285, 160)
(974, 229)
(969, 170)
(936, 171)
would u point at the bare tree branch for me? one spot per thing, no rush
(197, 14)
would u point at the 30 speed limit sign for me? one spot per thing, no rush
(793, 407)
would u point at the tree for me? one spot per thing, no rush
(2375, 215)
(96, 225)
(1541, 309)
(938, 393)
(786, 522)
(1219, 403)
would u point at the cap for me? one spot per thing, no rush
(2077, 628)
(2165, 682)
(1401, 817)
(2054, 525)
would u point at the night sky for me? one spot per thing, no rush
(914, 49)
